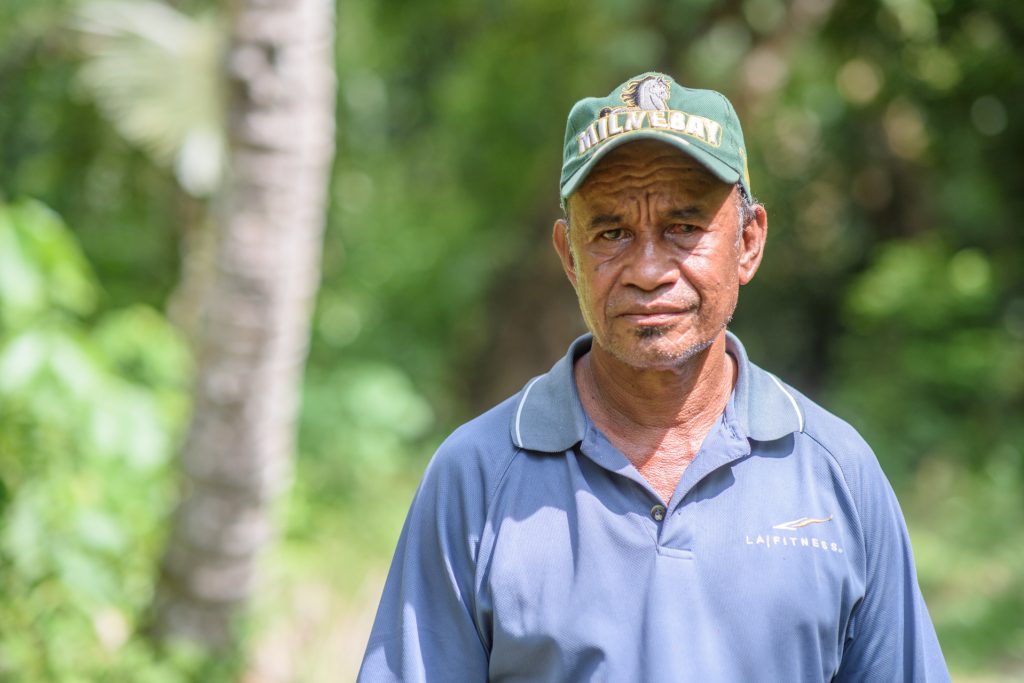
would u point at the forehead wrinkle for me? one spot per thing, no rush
(653, 181)
(640, 166)
(656, 183)
(643, 173)
(642, 170)
(608, 210)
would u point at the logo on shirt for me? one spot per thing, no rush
(801, 523)
(796, 538)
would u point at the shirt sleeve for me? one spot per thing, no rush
(425, 631)
(890, 636)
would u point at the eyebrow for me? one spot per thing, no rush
(681, 214)
(686, 213)
(605, 219)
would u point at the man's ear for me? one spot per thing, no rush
(752, 244)
(560, 238)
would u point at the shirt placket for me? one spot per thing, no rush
(672, 526)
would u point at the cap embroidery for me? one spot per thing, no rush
(619, 121)
(651, 92)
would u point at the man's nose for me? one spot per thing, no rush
(651, 265)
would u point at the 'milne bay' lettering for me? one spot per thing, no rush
(616, 123)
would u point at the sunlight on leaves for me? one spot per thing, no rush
(154, 73)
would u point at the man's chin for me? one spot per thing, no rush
(654, 349)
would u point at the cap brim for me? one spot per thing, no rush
(719, 168)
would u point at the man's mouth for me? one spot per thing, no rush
(655, 316)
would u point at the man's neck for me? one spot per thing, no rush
(657, 418)
(691, 394)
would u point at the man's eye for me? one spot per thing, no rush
(684, 228)
(613, 235)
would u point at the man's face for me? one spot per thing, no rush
(656, 254)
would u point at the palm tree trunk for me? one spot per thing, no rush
(255, 326)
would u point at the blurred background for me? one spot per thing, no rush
(181, 501)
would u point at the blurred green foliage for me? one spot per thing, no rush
(882, 142)
(91, 405)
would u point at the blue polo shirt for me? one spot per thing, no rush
(534, 551)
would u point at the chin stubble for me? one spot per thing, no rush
(653, 332)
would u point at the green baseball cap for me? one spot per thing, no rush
(701, 123)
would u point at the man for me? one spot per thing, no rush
(656, 507)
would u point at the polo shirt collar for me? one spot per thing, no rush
(549, 416)
(765, 409)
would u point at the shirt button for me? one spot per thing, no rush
(658, 513)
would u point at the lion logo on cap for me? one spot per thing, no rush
(647, 93)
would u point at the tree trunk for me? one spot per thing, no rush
(255, 325)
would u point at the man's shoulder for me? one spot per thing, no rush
(828, 429)
(478, 450)
(837, 439)
(770, 409)
(488, 430)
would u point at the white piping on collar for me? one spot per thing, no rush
(519, 410)
(796, 408)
